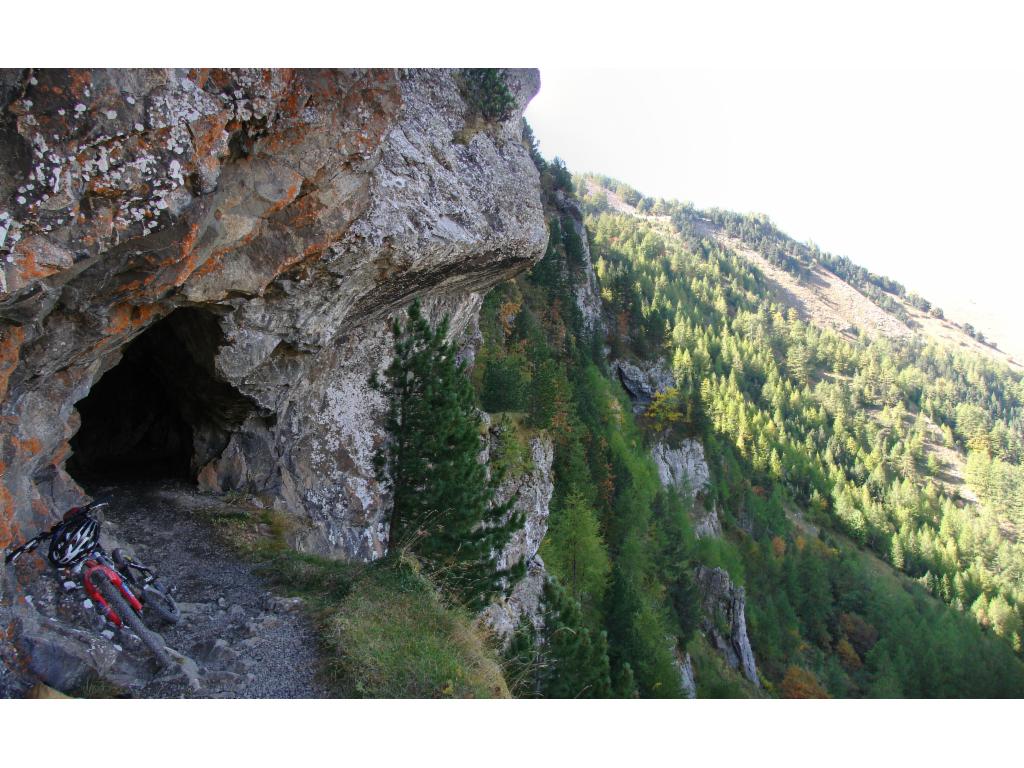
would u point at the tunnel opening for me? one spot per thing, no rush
(161, 412)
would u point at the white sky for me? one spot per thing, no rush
(918, 175)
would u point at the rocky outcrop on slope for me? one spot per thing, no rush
(687, 681)
(706, 523)
(291, 213)
(642, 384)
(587, 293)
(725, 622)
(683, 468)
(533, 491)
(686, 469)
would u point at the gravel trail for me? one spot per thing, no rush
(238, 639)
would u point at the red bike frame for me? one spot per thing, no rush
(91, 566)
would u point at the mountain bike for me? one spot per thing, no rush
(121, 588)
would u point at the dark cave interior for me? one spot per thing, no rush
(161, 412)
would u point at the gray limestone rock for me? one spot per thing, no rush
(587, 293)
(294, 213)
(260, 229)
(686, 469)
(725, 622)
(642, 384)
(533, 489)
(687, 681)
(683, 468)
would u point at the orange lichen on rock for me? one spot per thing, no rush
(6, 511)
(11, 337)
(79, 81)
(125, 318)
(28, 447)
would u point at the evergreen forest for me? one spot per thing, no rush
(870, 489)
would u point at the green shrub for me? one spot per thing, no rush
(511, 456)
(504, 385)
(394, 636)
(487, 93)
(714, 678)
(720, 553)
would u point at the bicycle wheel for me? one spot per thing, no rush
(116, 601)
(156, 598)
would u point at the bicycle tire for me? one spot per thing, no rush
(157, 599)
(153, 641)
(156, 595)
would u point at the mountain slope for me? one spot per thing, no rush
(818, 294)
(836, 457)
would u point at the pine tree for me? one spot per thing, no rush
(444, 508)
(896, 553)
(521, 662)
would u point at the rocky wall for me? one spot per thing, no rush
(302, 208)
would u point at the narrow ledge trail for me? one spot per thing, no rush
(235, 639)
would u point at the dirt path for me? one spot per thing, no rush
(239, 640)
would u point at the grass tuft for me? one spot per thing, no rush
(386, 629)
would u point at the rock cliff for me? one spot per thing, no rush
(269, 222)
(687, 681)
(642, 384)
(683, 468)
(585, 288)
(533, 491)
(199, 268)
(686, 469)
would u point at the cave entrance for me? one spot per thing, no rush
(161, 412)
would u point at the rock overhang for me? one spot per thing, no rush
(304, 207)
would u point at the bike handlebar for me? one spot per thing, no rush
(28, 546)
(34, 542)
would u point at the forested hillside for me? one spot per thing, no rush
(870, 488)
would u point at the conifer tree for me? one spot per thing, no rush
(564, 660)
(444, 508)
(576, 549)
(575, 662)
